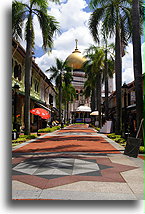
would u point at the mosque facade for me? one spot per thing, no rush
(79, 110)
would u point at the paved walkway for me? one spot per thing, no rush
(75, 163)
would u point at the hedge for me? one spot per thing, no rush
(48, 129)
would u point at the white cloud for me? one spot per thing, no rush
(143, 56)
(127, 65)
(73, 21)
(70, 14)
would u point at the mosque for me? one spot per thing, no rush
(79, 110)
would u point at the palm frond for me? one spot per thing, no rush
(18, 16)
(94, 23)
(49, 26)
(41, 5)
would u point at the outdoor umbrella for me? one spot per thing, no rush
(40, 112)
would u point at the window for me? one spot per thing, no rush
(129, 103)
(17, 71)
(77, 96)
(50, 99)
(36, 86)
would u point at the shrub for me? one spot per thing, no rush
(32, 136)
(23, 138)
(117, 139)
(48, 129)
(112, 135)
(118, 136)
(142, 149)
(19, 140)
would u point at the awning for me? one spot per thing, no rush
(131, 106)
(46, 108)
(83, 109)
(95, 113)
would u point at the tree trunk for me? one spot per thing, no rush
(137, 61)
(99, 98)
(93, 106)
(67, 110)
(65, 113)
(118, 75)
(106, 85)
(60, 100)
(28, 66)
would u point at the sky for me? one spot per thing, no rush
(73, 16)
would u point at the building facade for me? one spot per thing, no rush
(128, 108)
(42, 92)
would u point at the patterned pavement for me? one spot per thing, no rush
(75, 163)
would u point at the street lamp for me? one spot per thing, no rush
(16, 89)
(124, 87)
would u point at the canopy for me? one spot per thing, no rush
(40, 112)
(96, 113)
(83, 109)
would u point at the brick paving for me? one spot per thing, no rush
(56, 165)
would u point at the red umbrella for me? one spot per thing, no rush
(40, 112)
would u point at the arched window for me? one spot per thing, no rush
(36, 86)
(17, 71)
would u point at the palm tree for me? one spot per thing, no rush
(116, 20)
(108, 71)
(137, 60)
(93, 68)
(22, 12)
(93, 82)
(61, 72)
(69, 94)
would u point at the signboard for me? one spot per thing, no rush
(87, 120)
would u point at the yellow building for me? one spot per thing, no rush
(42, 92)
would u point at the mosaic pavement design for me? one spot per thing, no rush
(74, 163)
(55, 170)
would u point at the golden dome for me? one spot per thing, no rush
(76, 59)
